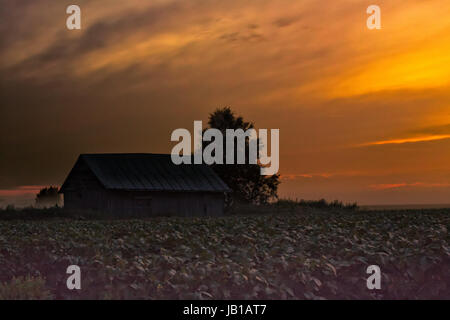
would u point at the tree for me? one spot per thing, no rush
(47, 197)
(248, 185)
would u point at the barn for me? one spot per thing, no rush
(143, 184)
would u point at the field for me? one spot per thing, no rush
(311, 254)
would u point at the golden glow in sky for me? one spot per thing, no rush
(356, 108)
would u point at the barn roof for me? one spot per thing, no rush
(150, 172)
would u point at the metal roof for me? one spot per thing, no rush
(151, 172)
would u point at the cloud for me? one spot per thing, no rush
(295, 176)
(20, 191)
(65, 48)
(285, 21)
(20, 196)
(409, 140)
(387, 186)
(324, 175)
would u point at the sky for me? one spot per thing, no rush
(364, 115)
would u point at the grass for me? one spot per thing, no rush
(308, 253)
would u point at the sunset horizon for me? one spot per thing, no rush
(364, 115)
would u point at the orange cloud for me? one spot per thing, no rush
(409, 140)
(326, 175)
(20, 191)
(294, 176)
(388, 186)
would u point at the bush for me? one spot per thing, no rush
(48, 197)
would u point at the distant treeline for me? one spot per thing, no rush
(318, 204)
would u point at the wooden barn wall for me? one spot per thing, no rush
(166, 203)
(146, 203)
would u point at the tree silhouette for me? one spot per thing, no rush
(47, 197)
(248, 185)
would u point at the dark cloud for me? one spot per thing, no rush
(100, 35)
(253, 37)
(236, 36)
(285, 21)
(230, 37)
